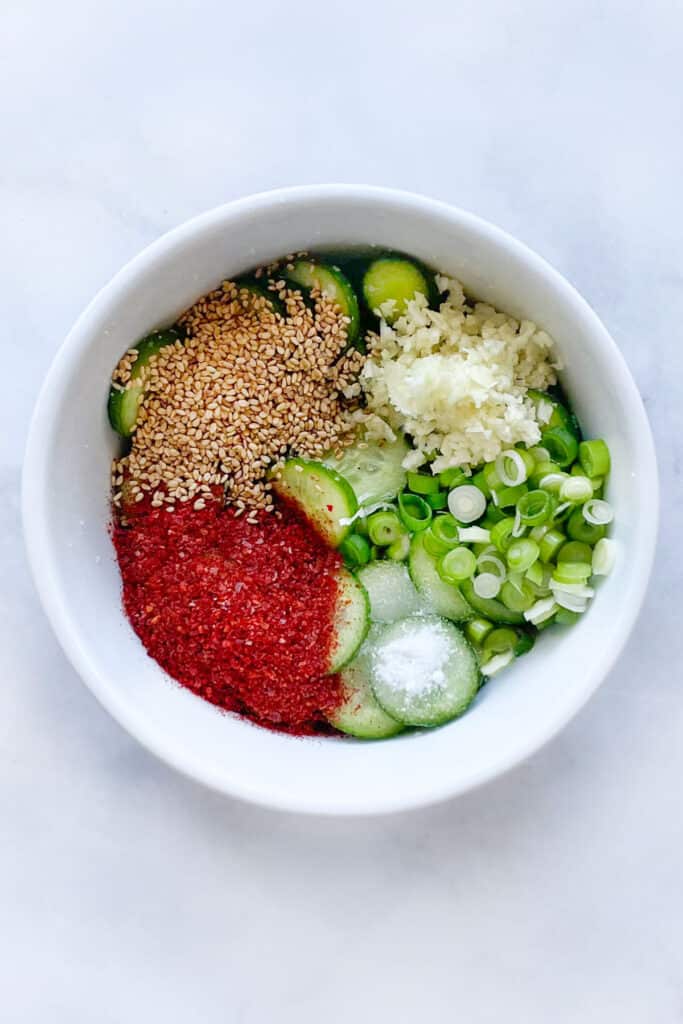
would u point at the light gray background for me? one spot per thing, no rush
(126, 892)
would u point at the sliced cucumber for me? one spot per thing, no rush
(375, 471)
(560, 415)
(324, 497)
(423, 671)
(391, 591)
(334, 286)
(490, 607)
(360, 714)
(351, 620)
(440, 597)
(399, 279)
(257, 288)
(124, 405)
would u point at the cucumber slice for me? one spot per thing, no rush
(374, 471)
(423, 671)
(123, 406)
(440, 597)
(397, 278)
(250, 284)
(390, 590)
(560, 415)
(490, 607)
(324, 497)
(351, 621)
(334, 285)
(360, 714)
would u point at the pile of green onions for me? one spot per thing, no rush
(528, 530)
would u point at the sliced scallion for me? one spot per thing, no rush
(474, 535)
(452, 477)
(542, 469)
(466, 503)
(594, 457)
(488, 561)
(511, 468)
(355, 550)
(500, 640)
(535, 507)
(574, 551)
(501, 534)
(414, 512)
(384, 528)
(398, 551)
(551, 544)
(576, 488)
(438, 501)
(522, 554)
(579, 529)
(507, 497)
(604, 557)
(486, 585)
(553, 482)
(539, 454)
(476, 630)
(541, 611)
(598, 512)
(423, 483)
(517, 594)
(479, 480)
(562, 445)
(491, 477)
(572, 572)
(457, 565)
(571, 602)
(441, 535)
(497, 662)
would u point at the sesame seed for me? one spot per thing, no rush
(246, 388)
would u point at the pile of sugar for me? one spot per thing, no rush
(411, 663)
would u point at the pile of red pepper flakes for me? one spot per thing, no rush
(239, 613)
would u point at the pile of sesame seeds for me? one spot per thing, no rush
(251, 384)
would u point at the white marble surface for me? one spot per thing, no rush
(129, 894)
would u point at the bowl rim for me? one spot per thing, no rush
(39, 547)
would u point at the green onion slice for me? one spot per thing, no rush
(384, 528)
(598, 512)
(604, 557)
(423, 483)
(511, 468)
(355, 550)
(486, 585)
(535, 507)
(414, 511)
(576, 488)
(457, 565)
(398, 551)
(551, 544)
(561, 444)
(452, 477)
(466, 503)
(594, 457)
(476, 630)
(488, 561)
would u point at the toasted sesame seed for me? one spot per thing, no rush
(246, 388)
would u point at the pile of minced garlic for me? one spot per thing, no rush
(246, 387)
(455, 380)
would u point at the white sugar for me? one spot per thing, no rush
(413, 661)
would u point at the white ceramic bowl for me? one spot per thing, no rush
(66, 508)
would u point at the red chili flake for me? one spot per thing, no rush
(239, 613)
